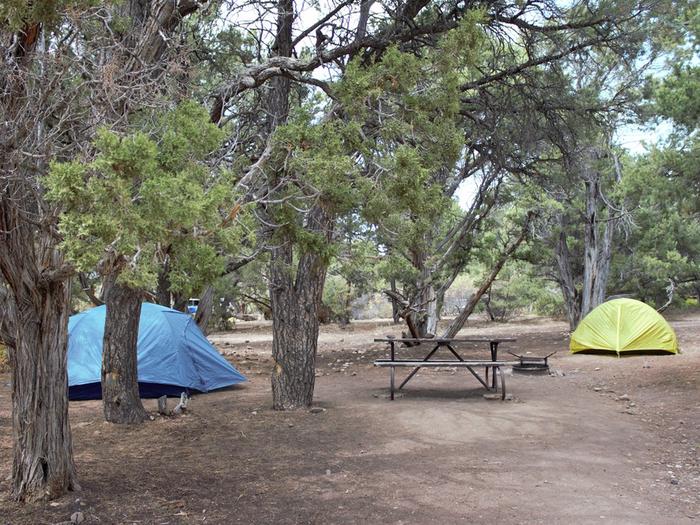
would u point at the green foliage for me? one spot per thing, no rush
(145, 197)
(354, 272)
(664, 242)
(519, 290)
(417, 135)
(337, 296)
(415, 138)
(14, 14)
(678, 96)
(664, 184)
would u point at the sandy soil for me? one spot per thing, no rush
(566, 449)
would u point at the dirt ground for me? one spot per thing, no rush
(602, 440)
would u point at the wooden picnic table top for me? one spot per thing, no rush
(443, 340)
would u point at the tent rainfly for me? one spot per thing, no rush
(624, 325)
(173, 355)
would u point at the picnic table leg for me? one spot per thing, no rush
(503, 382)
(391, 382)
(391, 374)
(469, 369)
(415, 370)
(494, 357)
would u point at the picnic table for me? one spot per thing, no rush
(433, 345)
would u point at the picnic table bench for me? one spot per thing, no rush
(459, 362)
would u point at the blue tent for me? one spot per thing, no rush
(173, 355)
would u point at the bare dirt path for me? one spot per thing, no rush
(604, 440)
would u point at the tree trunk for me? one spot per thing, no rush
(294, 301)
(395, 310)
(163, 295)
(179, 302)
(566, 281)
(604, 259)
(40, 305)
(204, 309)
(346, 315)
(597, 252)
(459, 321)
(43, 457)
(120, 389)
(590, 250)
(39, 291)
(425, 302)
(487, 304)
(428, 324)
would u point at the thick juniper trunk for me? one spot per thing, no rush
(39, 296)
(43, 458)
(120, 389)
(295, 298)
(597, 252)
(37, 289)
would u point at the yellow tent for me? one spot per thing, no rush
(624, 325)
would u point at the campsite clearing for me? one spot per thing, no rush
(603, 440)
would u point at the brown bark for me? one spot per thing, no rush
(39, 297)
(120, 390)
(295, 297)
(295, 300)
(487, 304)
(42, 452)
(147, 41)
(7, 316)
(597, 251)
(43, 458)
(405, 312)
(604, 260)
